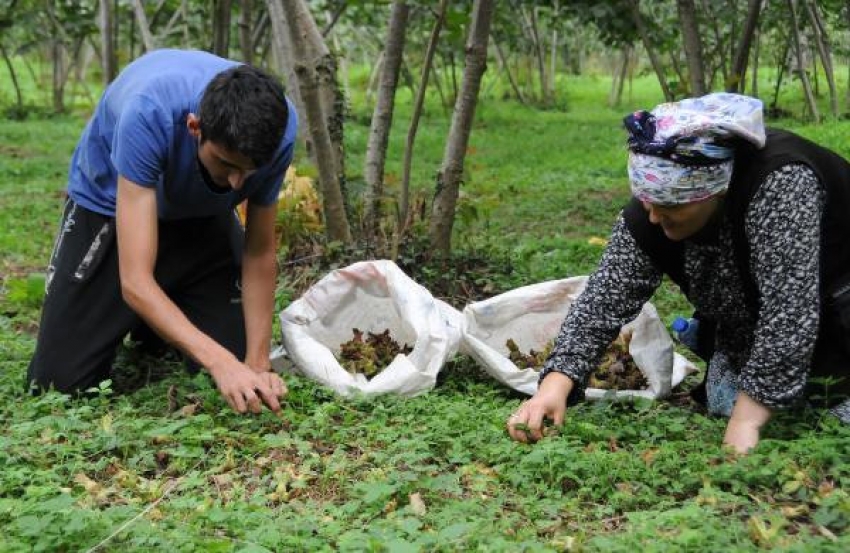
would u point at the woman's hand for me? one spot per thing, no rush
(744, 427)
(550, 401)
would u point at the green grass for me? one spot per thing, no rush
(172, 468)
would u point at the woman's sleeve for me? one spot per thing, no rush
(624, 280)
(783, 227)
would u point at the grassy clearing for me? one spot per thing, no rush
(172, 468)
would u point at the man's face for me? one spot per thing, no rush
(683, 220)
(227, 169)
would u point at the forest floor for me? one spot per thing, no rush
(155, 460)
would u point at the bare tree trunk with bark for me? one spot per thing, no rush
(847, 96)
(19, 98)
(331, 97)
(382, 118)
(754, 87)
(246, 19)
(710, 8)
(404, 195)
(284, 56)
(822, 42)
(314, 70)
(107, 44)
(539, 54)
(221, 28)
(503, 60)
(617, 84)
(637, 18)
(450, 175)
(798, 54)
(144, 28)
(375, 74)
(693, 46)
(742, 52)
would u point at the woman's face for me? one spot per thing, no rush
(683, 220)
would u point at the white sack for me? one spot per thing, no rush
(372, 296)
(532, 316)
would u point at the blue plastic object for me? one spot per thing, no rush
(686, 331)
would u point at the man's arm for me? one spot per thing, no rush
(259, 271)
(137, 230)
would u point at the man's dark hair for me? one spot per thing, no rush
(244, 110)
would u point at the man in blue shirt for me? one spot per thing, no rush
(149, 236)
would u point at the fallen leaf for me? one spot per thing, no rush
(188, 410)
(417, 505)
(87, 483)
(825, 532)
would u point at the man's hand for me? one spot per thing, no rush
(550, 401)
(247, 390)
(744, 427)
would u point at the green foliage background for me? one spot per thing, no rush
(170, 467)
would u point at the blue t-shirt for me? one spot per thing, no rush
(139, 130)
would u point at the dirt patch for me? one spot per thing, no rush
(16, 152)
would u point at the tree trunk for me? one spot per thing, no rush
(781, 73)
(709, 8)
(318, 55)
(184, 9)
(374, 74)
(107, 44)
(847, 96)
(798, 52)
(539, 55)
(58, 55)
(453, 73)
(451, 173)
(18, 95)
(742, 53)
(693, 46)
(284, 56)
(144, 28)
(619, 80)
(6, 20)
(677, 69)
(314, 70)
(333, 19)
(511, 80)
(246, 18)
(637, 18)
(170, 27)
(815, 73)
(221, 28)
(822, 42)
(382, 118)
(259, 31)
(404, 197)
(754, 87)
(83, 57)
(553, 56)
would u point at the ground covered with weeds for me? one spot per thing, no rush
(155, 460)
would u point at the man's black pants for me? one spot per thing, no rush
(84, 318)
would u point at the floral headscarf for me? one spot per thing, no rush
(677, 153)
